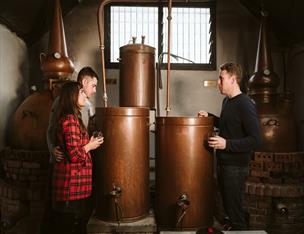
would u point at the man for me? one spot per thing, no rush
(88, 78)
(239, 135)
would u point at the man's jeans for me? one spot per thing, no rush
(231, 181)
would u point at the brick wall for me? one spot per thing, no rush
(275, 192)
(24, 187)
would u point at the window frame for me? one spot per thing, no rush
(174, 66)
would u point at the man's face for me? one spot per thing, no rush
(89, 85)
(226, 82)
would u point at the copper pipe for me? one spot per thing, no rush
(168, 57)
(100, 23)
(159, 84)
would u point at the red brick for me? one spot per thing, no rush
(260, 189)
(251, 188)
(257, 166)
(254, 179)
(13, 163)
(264, 205)
(276, 191)
(258, 211)
(263, 157)
(272, 180)
(273, 166)
(30, 165)
(259, 173)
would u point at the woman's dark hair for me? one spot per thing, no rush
(68, 102)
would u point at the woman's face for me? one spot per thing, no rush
(82, 98)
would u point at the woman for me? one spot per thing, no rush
(72, 177)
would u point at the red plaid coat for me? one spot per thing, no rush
(72, 177)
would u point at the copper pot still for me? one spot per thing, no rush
(277, 122)
(29, 123)
(137, 75)
(184, 173)
(121, 168)
(278, 125)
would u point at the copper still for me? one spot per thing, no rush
(277, 122)
(137, 75)
(184, 173)
(30, 121)
(56, 62)
(122, 164)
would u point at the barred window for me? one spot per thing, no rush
(192, 33)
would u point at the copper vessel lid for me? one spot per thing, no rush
(137, 48)
(185, 121)
(122, 111)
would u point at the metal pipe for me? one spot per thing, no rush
(159, 76)
(168, 58)
(100, 23)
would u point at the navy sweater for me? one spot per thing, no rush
(239, 125)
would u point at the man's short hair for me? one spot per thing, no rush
(233, 69)
(86, 71)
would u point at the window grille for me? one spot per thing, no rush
(192, 33)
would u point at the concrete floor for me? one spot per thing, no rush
(146, 225)
(226, 232)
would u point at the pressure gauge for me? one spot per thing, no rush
(57, 55)
(266, 72)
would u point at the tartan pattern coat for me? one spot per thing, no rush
(72, 176)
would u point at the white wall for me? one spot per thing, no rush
(13, 77)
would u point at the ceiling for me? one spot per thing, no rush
(30, 19)
(285, 17)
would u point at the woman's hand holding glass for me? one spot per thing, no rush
(95, 141)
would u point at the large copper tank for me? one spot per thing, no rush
(122, 164)
(184, 173)
(137, 76)
(30, 121)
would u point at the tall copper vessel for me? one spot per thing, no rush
(30, 121)
(277, 122)
(184, 173)
(122, 164)
(56, 63)
(137, 75)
